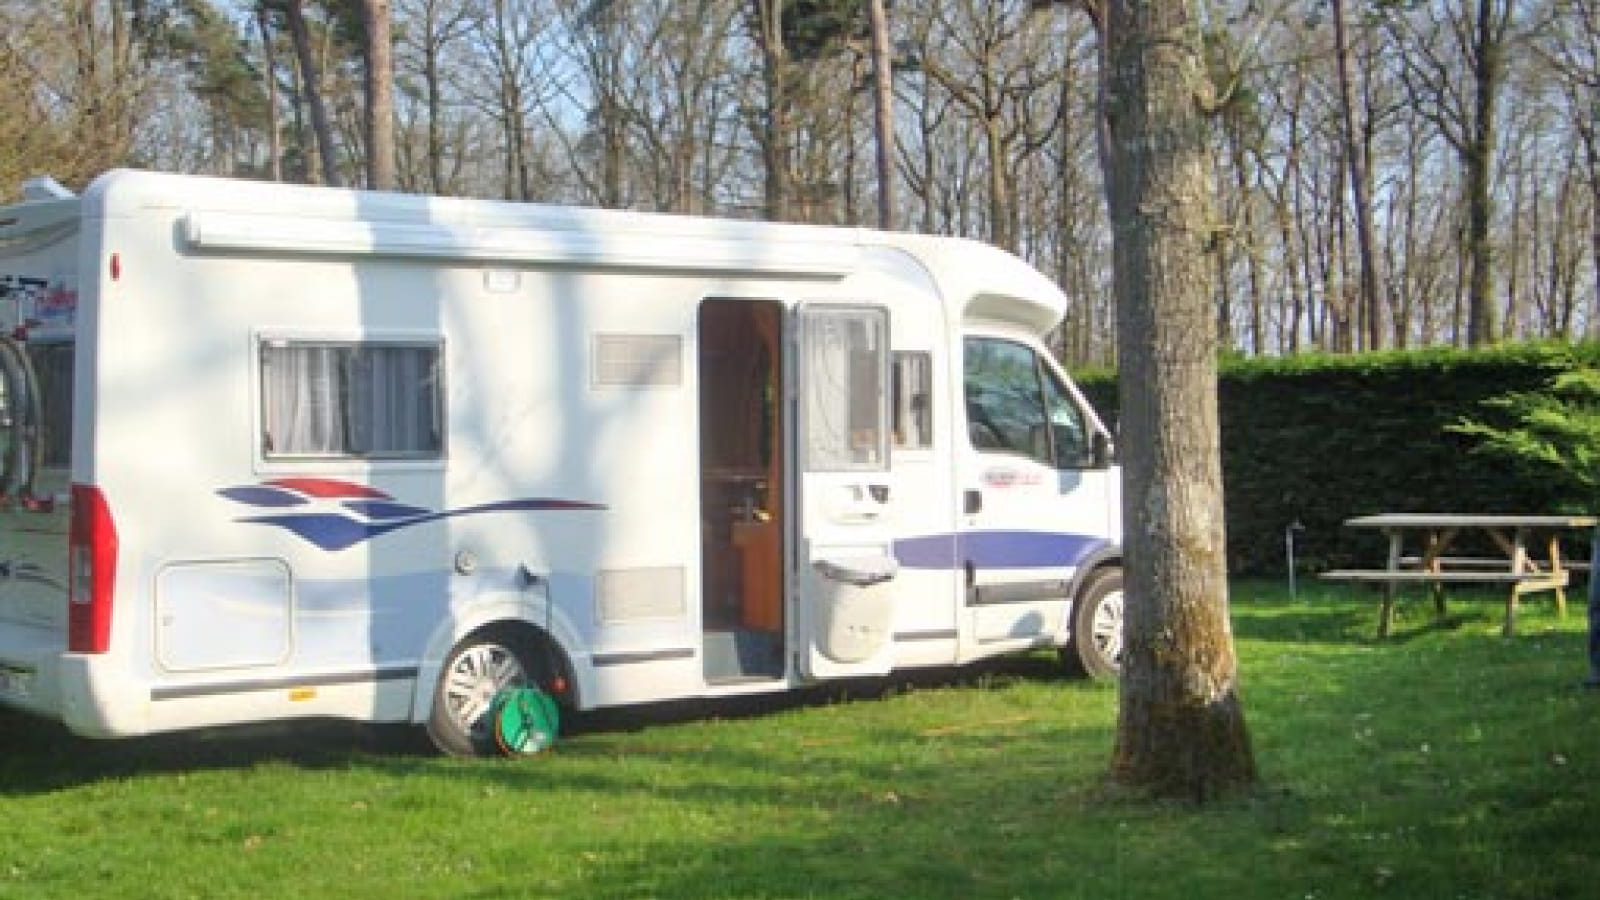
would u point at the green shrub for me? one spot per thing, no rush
(1316, 439)
(1551, 434)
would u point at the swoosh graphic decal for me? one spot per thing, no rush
(370, 514)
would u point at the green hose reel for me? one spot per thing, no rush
(525, 721)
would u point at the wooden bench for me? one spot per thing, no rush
(1487, 562)
(1521, 583)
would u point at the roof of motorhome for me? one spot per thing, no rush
(228, 214)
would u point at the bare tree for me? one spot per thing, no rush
(311, 88)
(883, 111)
(1454, 67)
(995, 63)
(507, 38)
(1570, 41)
(1395, 173)
(432, 28)
(773, 131)
(1359, 163)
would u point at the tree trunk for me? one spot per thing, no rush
(310, 84)
(1001, 210)
(379, 85)
(1247, 226)
(1181, 730)
(1479, 157)
(1360, 166)
(1589, 131)
(269, 63)
(434, 94)
(775, 126)
(883, 109)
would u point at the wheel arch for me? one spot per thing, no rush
(517, 620)
(1089, 568)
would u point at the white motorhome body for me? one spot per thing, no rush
(276, 451)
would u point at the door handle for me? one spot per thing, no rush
(971, 502)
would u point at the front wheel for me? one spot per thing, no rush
(1097, 615)
(477, 670)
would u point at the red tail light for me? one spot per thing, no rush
(92, 569)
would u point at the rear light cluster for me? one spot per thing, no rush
(91, 571)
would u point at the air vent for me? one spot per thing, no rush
(638, 360)
(630, 595)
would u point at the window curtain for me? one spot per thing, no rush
(394, 400)
(300, 387)
(350, 400)
(846, 408)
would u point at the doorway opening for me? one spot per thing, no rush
(742, 516)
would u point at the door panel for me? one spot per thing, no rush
(1034, 507)
(845, 573)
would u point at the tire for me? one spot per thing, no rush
(478, 668)
(1096, 645)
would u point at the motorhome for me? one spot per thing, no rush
(278, 451)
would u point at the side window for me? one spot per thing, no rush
(846, 370)
(1015, 404)
(1069, 434)
(912, 415)
(377, 400)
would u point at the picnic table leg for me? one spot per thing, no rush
(1515, 547)
(1430, 557)
(1557, 571)
(1434, 547)
(1386, 610)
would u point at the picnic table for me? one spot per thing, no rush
(1529, 558)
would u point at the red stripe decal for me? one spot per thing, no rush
(328, 487)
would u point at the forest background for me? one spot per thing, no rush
(1392, 174)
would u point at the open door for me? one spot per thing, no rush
(742, 474)
(844, 577)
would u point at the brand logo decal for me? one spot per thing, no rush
(334, 514)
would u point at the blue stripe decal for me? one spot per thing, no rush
(257, 495)
(997, 550)
(384, 509)
(335, 532)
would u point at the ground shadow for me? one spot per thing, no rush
(39, 756)
(1348, 614)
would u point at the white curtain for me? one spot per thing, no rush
(846, 408)
(349, 400)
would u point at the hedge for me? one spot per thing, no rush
(1313, 440)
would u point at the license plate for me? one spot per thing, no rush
(16, 683)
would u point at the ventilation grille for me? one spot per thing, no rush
(638, 360)
(628, 595)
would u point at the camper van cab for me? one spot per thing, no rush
(274, 451)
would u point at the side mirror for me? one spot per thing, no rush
(1101, 452)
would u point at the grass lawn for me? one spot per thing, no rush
(1445, 762)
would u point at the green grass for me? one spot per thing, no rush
(1445, 762)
